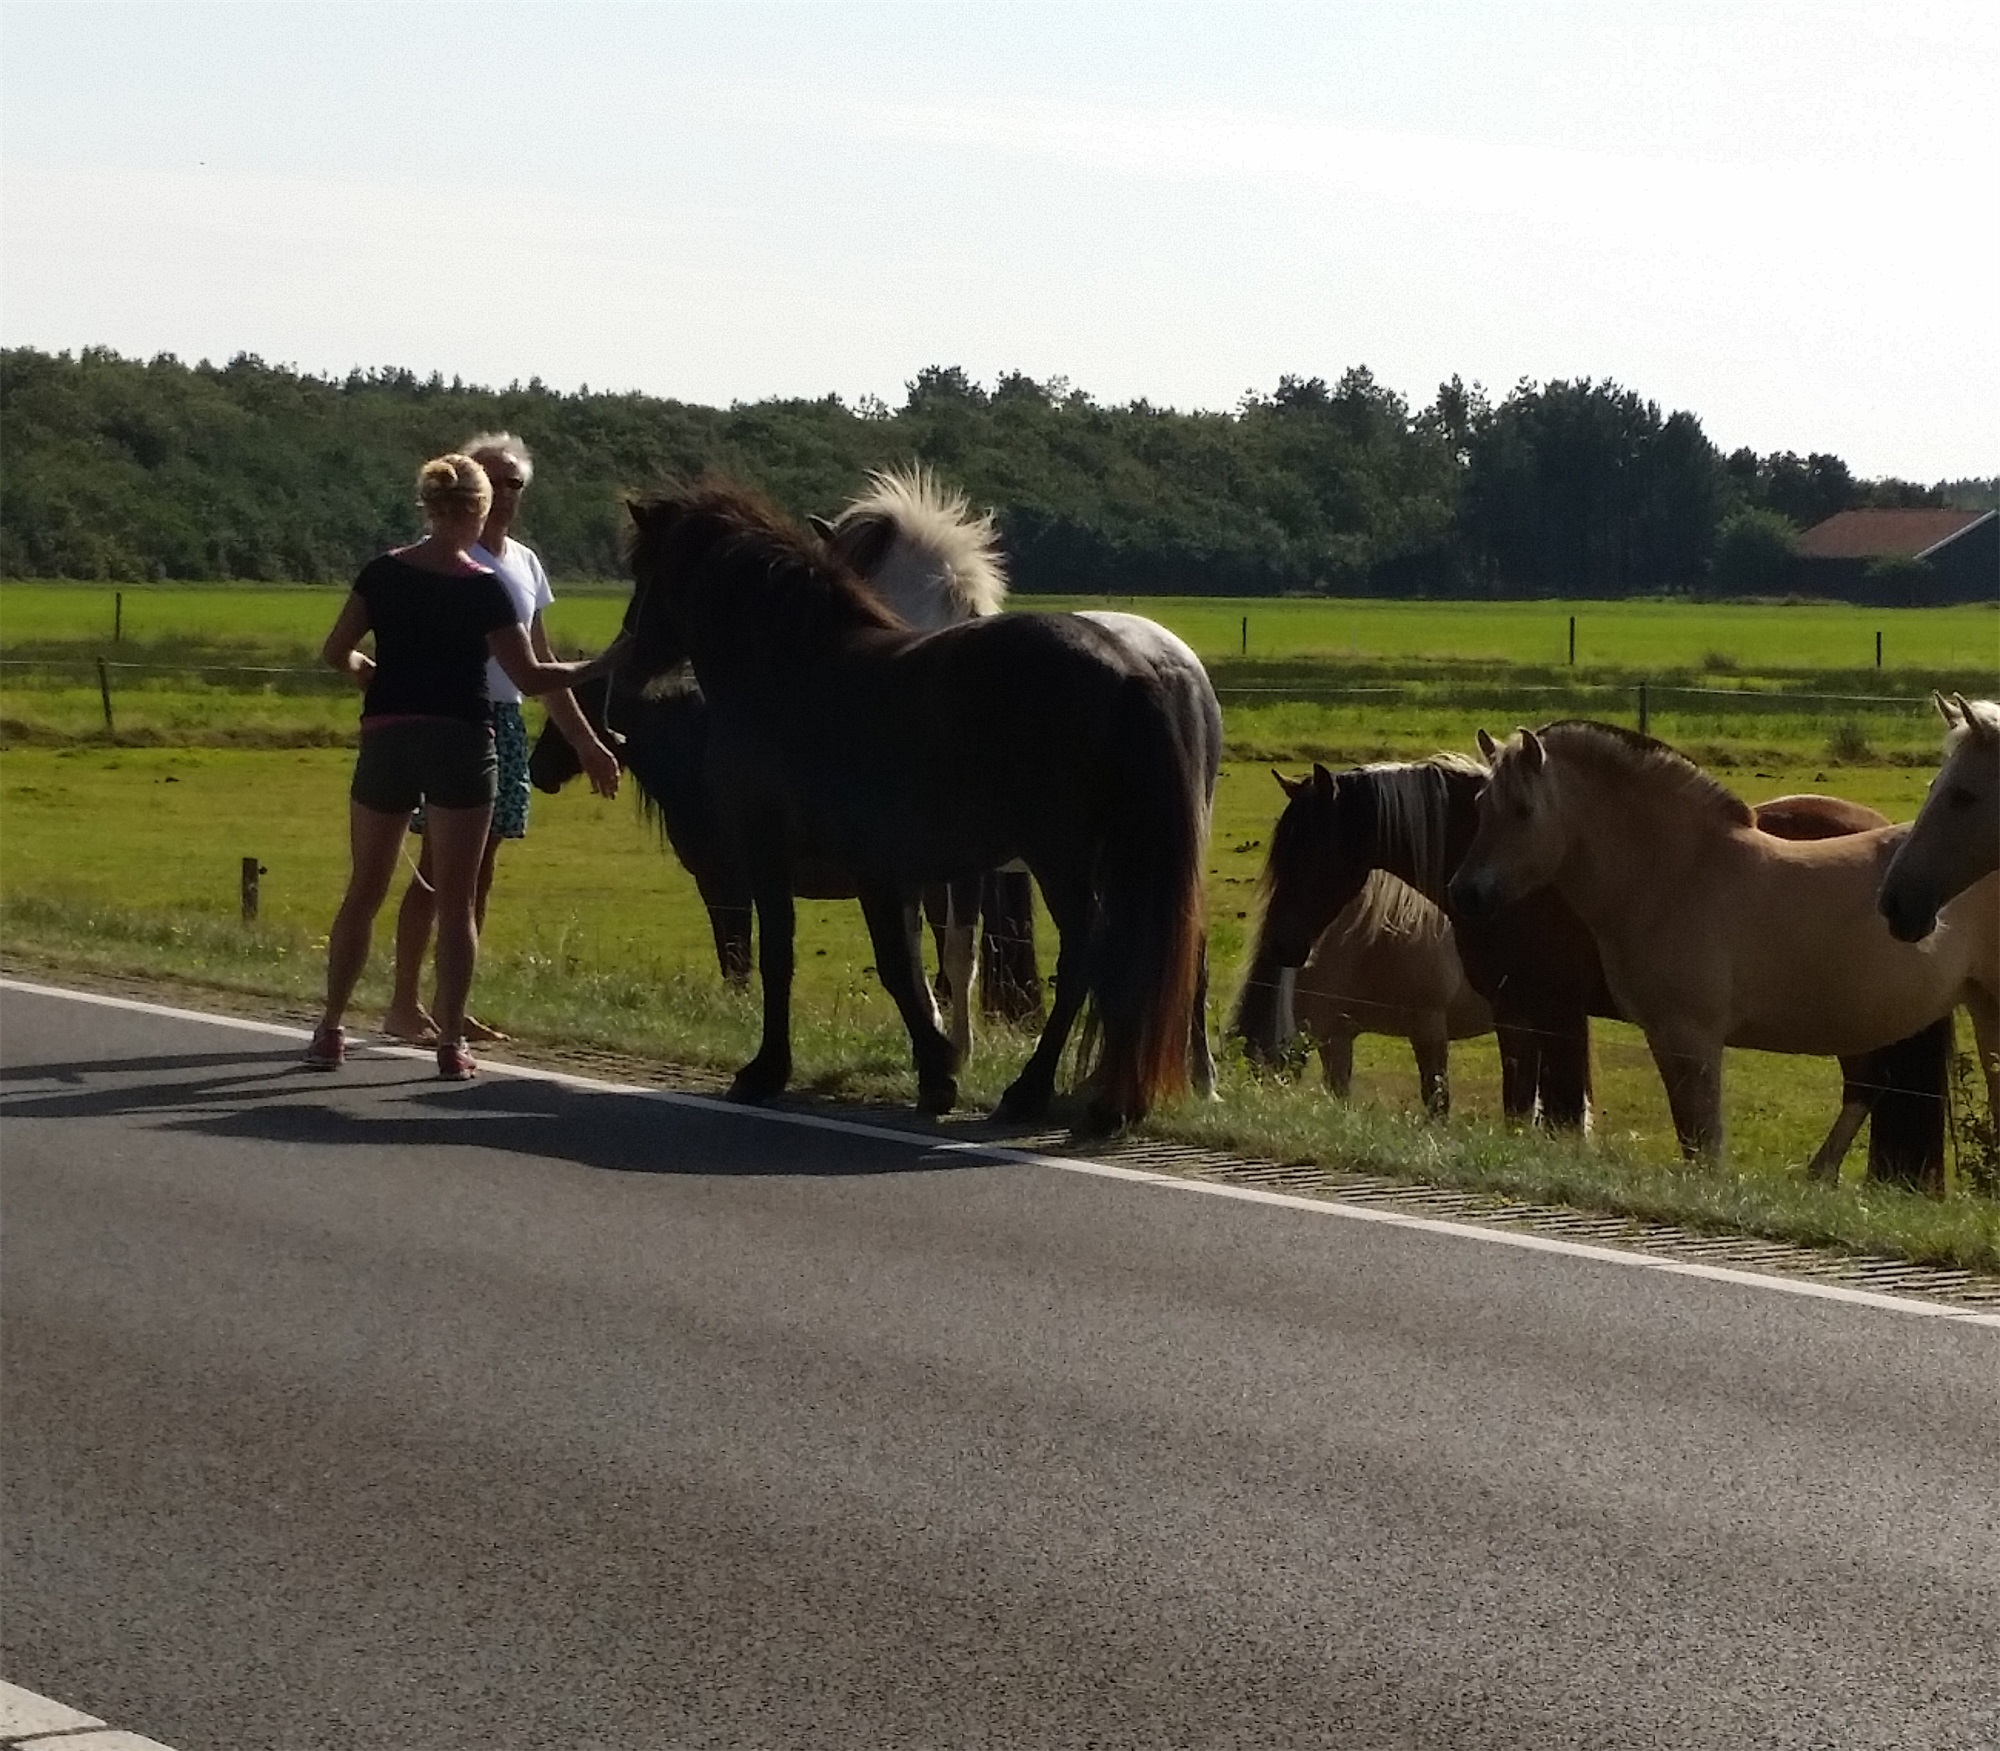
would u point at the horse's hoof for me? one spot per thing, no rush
(755, 1084)
(1022, 1106)
(937, 1098)
(1101, 1119)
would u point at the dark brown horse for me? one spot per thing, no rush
(1534, 963)
(921, 757)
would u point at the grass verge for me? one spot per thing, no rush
(548, 996)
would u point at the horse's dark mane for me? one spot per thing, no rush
(1628, 750)
(1407, 810)
(729, 553)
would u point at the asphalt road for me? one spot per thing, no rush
(371, 1411)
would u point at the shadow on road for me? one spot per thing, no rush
(397, 1103)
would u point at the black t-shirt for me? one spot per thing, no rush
(430, 639)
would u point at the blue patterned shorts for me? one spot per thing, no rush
(510, 802)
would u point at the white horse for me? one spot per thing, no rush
(935, 561)
(1955, 838)
(1388, 964)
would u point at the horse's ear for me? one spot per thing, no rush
(1532, 750)
(821, 527)
(1324, 780)
(1488, 747)
(1290, 786)
(640, 512)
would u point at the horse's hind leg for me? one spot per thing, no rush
(1029, 1094)
(888, 917)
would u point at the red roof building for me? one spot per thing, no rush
(1957, 555)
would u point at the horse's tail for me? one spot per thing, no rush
(1146, 956)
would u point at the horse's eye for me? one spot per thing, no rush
(1959, 797)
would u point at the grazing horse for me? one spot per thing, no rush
(1955, 838)
(1387, 965)
(1534, 962)
(1712, 932)
(921, 757)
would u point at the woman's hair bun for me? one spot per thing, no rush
(453, 479)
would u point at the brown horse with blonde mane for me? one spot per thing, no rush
(1712, 932)
(924, 757)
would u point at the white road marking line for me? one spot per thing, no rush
(1328, 1206)
(33, 1722)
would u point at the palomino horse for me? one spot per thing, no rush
(1534, 962)
(921, 757)
(1712, 932)
(1387, 965)
(1955, 838)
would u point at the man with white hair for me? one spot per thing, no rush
(509, 467)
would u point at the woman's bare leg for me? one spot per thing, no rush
(457, 844)
(375, 838)
(407, 1019)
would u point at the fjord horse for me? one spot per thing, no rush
(1713, 933)
(1535, 962)
(1387, 964)
(1955, 838)
(921, 757)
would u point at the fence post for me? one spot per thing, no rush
(1246, 635)
(252, 869)
(1572, 641)
(1644, 714)
(104, 689)
(118, 617)
(1878, 649)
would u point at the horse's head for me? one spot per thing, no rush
(1955, 838)
(1322, 849)
(552, 763)
(1520, 841)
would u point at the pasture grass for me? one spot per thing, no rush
(125, 860)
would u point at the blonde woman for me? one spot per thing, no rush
(437, 614)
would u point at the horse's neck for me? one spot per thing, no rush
(1627, 839)
(1422, 845)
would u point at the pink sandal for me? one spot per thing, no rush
(455, 1062)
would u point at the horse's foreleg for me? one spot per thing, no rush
(767, 1073)
(730, 926)
(1520, 1070)
(901, 970)
(1984, 1008)
(1692, 1072)
(1562, 1073)
(1433, 1050)
(1336, 1059)
(958, 954)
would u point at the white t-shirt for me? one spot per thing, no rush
(520, 569)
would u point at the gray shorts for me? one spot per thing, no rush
(511, 788)
(441, 760)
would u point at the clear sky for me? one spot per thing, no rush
(1781, 218)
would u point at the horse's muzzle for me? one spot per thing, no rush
(1911, 917)
(1475, 897)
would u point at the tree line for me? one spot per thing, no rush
(129, 469)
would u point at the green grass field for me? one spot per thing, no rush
(125, 857)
